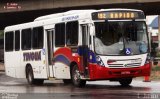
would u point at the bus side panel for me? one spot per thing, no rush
(13, 66)
(62, 59)
(62, 71)
(36, 59)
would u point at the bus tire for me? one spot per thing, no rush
(76, 77)
(38, 81)
(30, 77)
(125, 81)
(67, 81)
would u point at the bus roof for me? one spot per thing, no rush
(48, 19)
(71, 12)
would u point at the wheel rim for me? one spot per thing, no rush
(76, 76)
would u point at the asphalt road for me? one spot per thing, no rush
(12, 88)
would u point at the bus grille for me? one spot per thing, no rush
(125, 63)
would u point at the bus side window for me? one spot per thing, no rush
(26, 39)
(37, 38)
(17, 40)
(84, 34)
(60, 34)
(9, 41)
(72, 33)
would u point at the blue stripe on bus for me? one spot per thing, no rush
(62, 59)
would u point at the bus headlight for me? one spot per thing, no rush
(148, 59)
(99, 61)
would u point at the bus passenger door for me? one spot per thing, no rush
(85, 47)
(50, 47)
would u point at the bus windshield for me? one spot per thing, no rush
(114, 38)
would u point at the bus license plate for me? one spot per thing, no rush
(125, 72)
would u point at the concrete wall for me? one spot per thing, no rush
(27, 5)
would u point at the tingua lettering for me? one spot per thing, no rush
(32, 56)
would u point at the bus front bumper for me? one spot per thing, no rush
(103, 73)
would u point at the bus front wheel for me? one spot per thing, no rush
(76, 77)
(30, 78)
(125, 81)
(67, 81)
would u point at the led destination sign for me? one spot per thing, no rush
(118, 15)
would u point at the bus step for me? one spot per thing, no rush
(52, 78)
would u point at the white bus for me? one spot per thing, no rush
(79, 46)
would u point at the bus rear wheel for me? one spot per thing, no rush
(76, 77)
(125, 81)
(30, 78)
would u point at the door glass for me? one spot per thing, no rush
(50, 46)
(85, 47)
(84, 35)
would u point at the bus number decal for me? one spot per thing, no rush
(32, 56)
